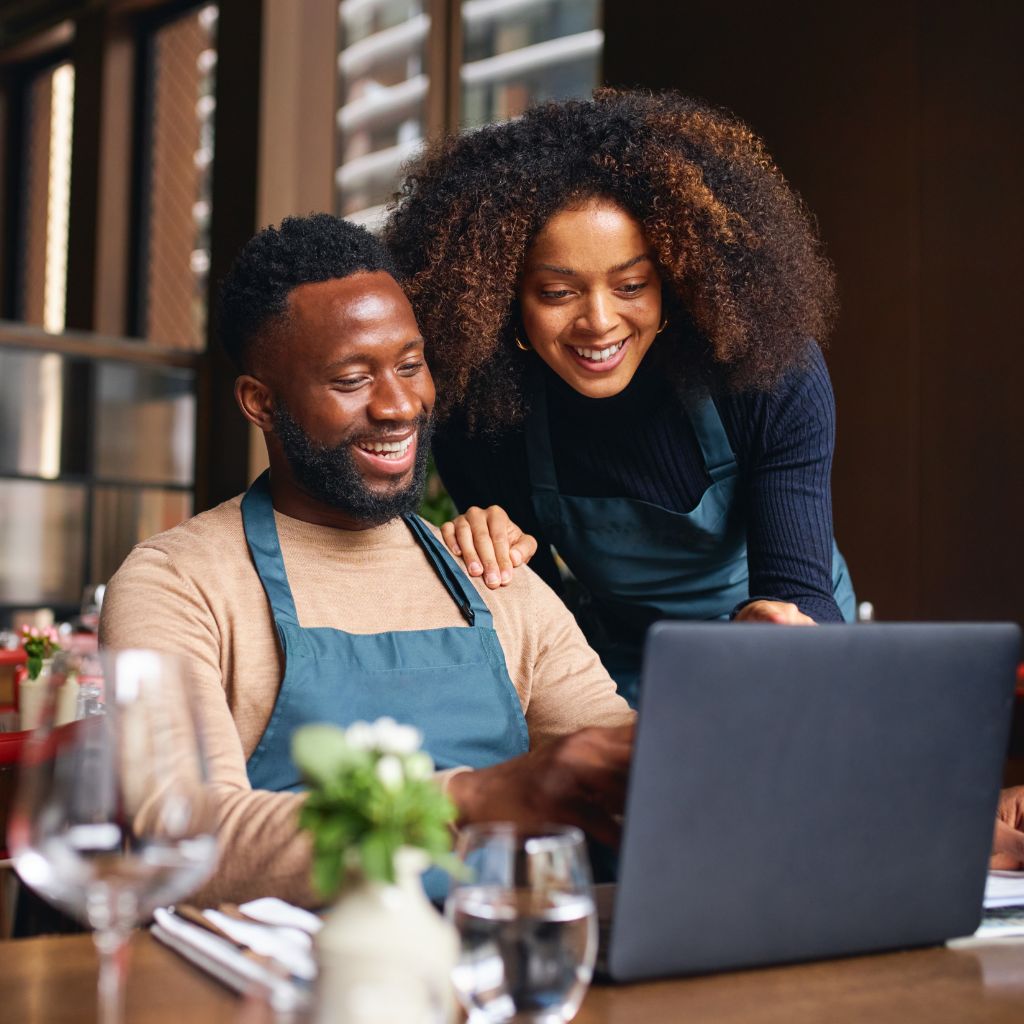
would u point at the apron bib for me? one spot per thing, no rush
(637, 562)
(452, 683)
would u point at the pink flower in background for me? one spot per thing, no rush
(39, 644)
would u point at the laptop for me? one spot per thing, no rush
(802, 793)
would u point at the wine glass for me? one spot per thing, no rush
(92, 605)
(112, 817)
(527, 923)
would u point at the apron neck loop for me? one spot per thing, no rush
(265, 548)
(463, 593)
(719, 458)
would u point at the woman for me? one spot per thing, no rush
(621, 299)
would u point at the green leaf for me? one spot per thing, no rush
(326, 875)
(377, 854)
(321, 752)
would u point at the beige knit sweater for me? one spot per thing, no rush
(194, 590)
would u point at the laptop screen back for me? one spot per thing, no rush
(805, 793)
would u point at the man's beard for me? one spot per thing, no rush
(331, 475)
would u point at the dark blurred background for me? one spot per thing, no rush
(143, 141)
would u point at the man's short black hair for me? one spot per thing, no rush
(303, 250)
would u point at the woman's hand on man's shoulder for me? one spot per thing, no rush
(489, 544)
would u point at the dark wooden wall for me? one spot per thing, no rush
(902, 125)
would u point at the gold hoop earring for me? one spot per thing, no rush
(662, 327)
(519, 344)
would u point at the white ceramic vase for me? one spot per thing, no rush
(33, 695)
(385, 955)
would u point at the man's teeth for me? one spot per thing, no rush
(598, 355)
(388, 449)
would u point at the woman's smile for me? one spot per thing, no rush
(600, 359)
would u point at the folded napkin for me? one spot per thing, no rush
(1004, 889)
(278, 947)
(1003, 915)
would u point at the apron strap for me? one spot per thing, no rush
(463, 593)
(719, 458)
(265, 548)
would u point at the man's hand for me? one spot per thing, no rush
(1008, 841)
(579, 779)
(782, 613)
(489, 544)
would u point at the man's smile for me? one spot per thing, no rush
(392, 457)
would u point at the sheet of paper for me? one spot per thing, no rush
(1004, 889)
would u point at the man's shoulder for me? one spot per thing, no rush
(215, 534)
(177, 575)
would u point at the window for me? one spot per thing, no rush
(97, 456)
(177, 146)
(508, 55)
(519, 52)
(383, 82)
(46, 199)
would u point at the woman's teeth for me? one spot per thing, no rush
(598, 355)
(388, 449)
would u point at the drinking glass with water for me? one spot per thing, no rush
(527, 923)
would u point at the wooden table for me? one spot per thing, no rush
(52, 981)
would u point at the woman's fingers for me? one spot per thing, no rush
(489, 543)
(448, 535)
(473, 536)
(498, 524)
(521, 546)
(467, 546)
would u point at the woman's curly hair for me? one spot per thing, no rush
(740, 261)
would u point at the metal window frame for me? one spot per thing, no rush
(87, 349)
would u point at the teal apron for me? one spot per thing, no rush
(637, 562)
(451, 683)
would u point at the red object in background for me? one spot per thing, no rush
(10, 745)
(12, 668)
(11, 749)
(10, 753)
(1020, 679)
(12, 658)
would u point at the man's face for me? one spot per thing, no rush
(353, 396)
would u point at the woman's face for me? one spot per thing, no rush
(590, 297)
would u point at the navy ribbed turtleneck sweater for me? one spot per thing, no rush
(639, 444)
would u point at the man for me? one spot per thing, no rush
(320, 596)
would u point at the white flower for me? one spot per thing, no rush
(382, 730)
(419, 765)
(361, 736)
(392, 738)
(389, 771)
